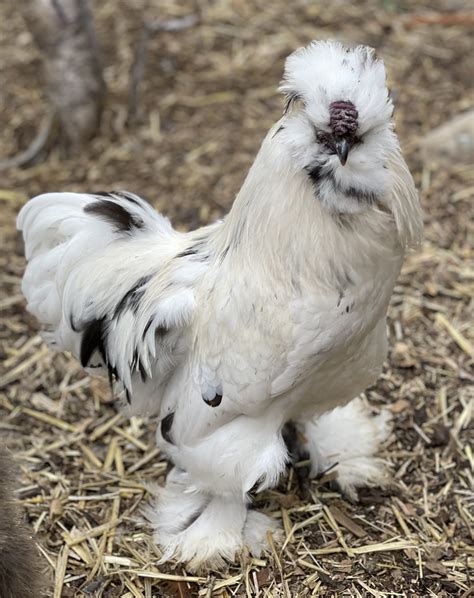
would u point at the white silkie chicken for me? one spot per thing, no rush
(275, 315)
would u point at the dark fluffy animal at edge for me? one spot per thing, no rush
(20, 573)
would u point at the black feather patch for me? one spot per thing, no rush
(161, 331)
(165, 427)
(215, 401)
(115, 214)
(112, 371)
(93, 338)
(188, 251)
(121, 194)
(315, 173)
(131, 299)
(360, 195)
(198, 250)
(147, 328)
(318, 175)
(102, 194)
(127, 196)
(254, 489)
(137, 366)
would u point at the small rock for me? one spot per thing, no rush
(453, 141)
(399, 406)
(440, 436)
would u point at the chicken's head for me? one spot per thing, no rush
(338, 122)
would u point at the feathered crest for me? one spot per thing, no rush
(327, 71)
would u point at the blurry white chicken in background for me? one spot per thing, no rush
(274, 315)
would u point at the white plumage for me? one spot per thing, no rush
(275, 314)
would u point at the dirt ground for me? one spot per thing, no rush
(207, 100)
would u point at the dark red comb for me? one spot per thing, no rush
(343, 118)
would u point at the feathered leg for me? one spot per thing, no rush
(195, 527)
(201, 516)
(349, 439)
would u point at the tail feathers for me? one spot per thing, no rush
(111, 280)
(62, 230)
(64, 213)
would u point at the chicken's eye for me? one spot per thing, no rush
(325, 139)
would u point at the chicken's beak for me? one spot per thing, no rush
(342, 150)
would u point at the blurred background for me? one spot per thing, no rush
(189, 90)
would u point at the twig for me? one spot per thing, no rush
(173, 25)
(456, 18)
(35, 148)
(137, 71)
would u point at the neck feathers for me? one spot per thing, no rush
(277, 220)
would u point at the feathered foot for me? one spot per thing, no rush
(204, 530)
(349, 438)
(257, 525)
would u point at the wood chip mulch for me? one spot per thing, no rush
(207, 99)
